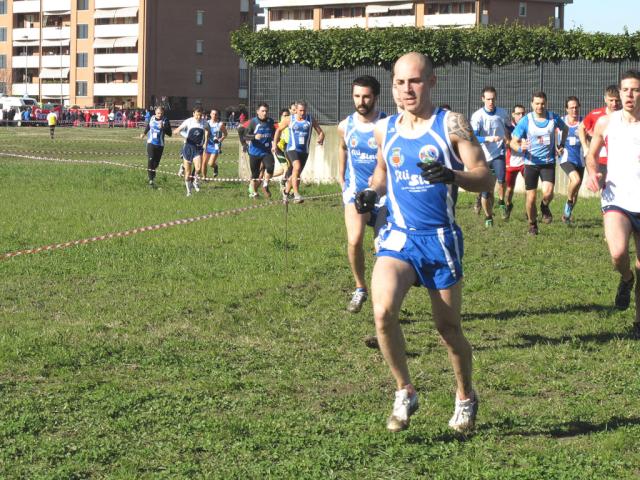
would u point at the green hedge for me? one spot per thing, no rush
(490, 46)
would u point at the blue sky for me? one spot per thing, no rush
(603, 16)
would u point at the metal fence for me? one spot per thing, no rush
(328, 93)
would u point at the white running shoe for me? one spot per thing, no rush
(464, 416)
(253, 195)
(181, 171)
(196, 184)
(403, 407)
(298, 199)
(358, 298)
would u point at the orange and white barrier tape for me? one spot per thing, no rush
(150, 228)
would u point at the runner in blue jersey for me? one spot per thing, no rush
(217, 134)
(196, 136)
(259, 136)
(572, 159)
(357, 159)
(156, 128)
(297, 152)
(536, 135)
(490, 127)
(424, 154)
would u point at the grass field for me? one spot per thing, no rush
(201, 351)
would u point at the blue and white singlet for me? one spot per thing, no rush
(195, 131)
(572, 148)
(300, 133)
(361, 153)
(155, 136)
(414, 203)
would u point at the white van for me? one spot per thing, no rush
(12, 102)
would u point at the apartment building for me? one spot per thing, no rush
(130, 53)
(317, 15)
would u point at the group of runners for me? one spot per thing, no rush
(531, 144)
(400, 174)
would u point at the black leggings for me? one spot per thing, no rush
(154, 154)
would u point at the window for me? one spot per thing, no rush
(3, 34)
(199, 47)
(3, 7)
(82, 60)
(3, 61)
(81, 89)
(199, 17)
(522, 9)
(83, 30)
(83, 4)
(198, 77)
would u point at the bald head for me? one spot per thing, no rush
(414, 60)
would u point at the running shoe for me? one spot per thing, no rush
(503, 211)
(215, 170)
(533, 229)
(298, 199)
(196, 184)
(253, 194)
(488, 222)
(358, 298)
(566, 220)
(403, 407)
(477, 207)
(546, 213)
(568, 210)
(623, 296)
(181, 171)
(464, 415)
(152, 184)
(507, 212)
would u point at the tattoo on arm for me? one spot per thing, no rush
(459, 126)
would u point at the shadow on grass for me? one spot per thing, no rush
(526, 311)
(597, 338)
(506, 428)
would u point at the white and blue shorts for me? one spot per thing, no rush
(435, 255)
(215, 147)
(191, 151)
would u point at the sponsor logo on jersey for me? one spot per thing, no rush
(397, 159)
(428, 154)
(372, 143)
(354, 141)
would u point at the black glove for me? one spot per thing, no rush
(366, 200)
(435, 172)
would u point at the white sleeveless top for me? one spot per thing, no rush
(622, 188)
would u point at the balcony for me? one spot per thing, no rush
(55, 33)
(115, 89)
(343, 22)
(55, 61)
(29, 89)
(25, 61)
(56, 7)
(25, 34)
(26, 6)
(116, 60)
(116, 31)
(54, 90)
(100, 4)
(392, 21)
(291, 25)
(450, 20)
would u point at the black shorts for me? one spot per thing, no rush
(255, 162)
(568, 167)
(546, 173)
(295, 156)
